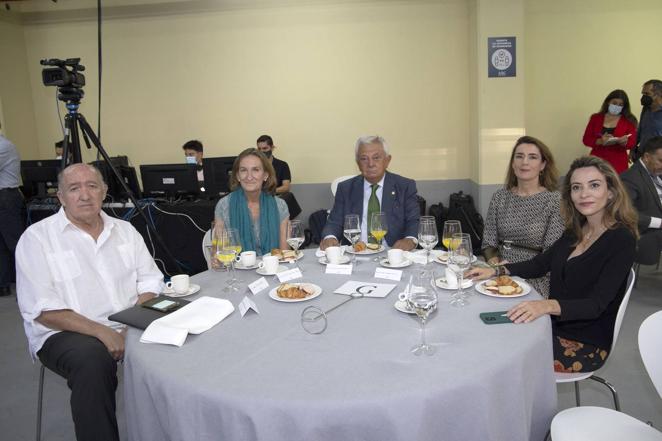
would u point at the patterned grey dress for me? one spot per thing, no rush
(530, 222)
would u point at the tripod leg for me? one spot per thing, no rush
(87, 131)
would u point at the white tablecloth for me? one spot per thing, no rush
(262, 377)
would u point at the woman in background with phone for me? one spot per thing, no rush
(589, 266)
(612, 131)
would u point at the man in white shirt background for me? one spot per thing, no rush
(12, 209)
(73, 270)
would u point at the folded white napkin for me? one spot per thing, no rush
(195, 318)
(416, 256)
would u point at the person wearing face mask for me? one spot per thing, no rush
(265, 144)
(612, 131)
(193, 152)
(651, 114)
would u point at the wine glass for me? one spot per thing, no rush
(423, 301)
(428, 236)
(352, 231)
(378, 228)
(451, 227)
(295, 237)
(459, 261)
(230, 247)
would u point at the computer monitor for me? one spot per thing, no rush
(40, 177)
(115, 189)
(217, 173)
(169, 180)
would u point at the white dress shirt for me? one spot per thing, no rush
(59, 266)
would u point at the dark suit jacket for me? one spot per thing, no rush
(398, 202)
(643, 194)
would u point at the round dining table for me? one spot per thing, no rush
(263, 377)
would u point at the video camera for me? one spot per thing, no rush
(65, 76)
(60, 76)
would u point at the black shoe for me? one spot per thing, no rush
(5, 291)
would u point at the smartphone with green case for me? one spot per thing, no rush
(494, 318)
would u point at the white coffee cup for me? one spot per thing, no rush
(247, 258)
(269, 264)
(334, 254)
(179, 283)
(395, 256)
(451, 278)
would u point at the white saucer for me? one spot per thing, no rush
(442, 283)
(343, 260)
(263, 272)
(240, 266)
(192, 289)
(384, 262)
(401, 306)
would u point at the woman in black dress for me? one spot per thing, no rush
(589, 266)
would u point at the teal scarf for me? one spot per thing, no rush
(240, 219)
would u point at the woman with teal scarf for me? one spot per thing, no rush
(259, 217)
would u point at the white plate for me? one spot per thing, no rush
(480, 287)
(263, 272)
(401, 306)
(299, 256)
(238, 265)
(343, 260)
(192, 289)
(349, 249)
(316, 293)
(442, 283)
(384, 262)
(445, 258)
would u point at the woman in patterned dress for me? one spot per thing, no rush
(524, 217)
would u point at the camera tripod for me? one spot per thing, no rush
(75, 121)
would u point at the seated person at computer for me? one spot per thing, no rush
(283, 176)
(251, 208)
(193, 151)
(73, 270)
(588, 266)
(375, 190)
(644, 184)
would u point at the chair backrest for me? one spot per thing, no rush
(206, 244)
(334, 184)
(650, 336)
(621, 309)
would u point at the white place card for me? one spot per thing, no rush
(338, 269)
(258, 285)
(284, 276)
(247, 304)
(367, 289)
(387, 273)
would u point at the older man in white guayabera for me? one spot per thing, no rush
(73, 270)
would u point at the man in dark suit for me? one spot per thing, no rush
(373, 190)
(644, 183)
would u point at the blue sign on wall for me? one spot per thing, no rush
(501, 57)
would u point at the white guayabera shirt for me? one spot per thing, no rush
(59, 266)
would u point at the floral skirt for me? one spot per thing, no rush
(574, 356)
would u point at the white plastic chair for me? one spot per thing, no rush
(598, 423)
(650, 335)
(562, 377)
(206, 245)
(334, 184)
